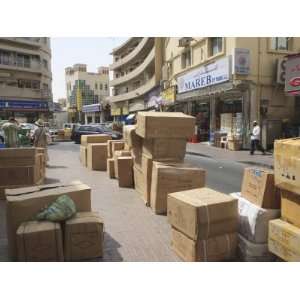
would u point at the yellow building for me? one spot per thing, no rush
(240, 76)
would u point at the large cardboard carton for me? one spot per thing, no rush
(118, 154)
(161, 148)
(172, 177)
(94, 138)
(284, 240)
(131, 138)
(97, 156)
(290, 207)
(117, 146)
(111, 167)
(139, 181)
(24, 203)
(164, 125)
(110, 151)
(287, 164)
(39, 241)
(218, 248)
(17, 157)
(83, 237)
(83, 155)
(254, 220)
(203, 213)
(125, 171)
(258, 187)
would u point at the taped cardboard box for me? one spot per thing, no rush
(254, 220)
(218, 248)
(253, 252)
(119, 154)
(203, 213)
(125, 171)
(131, 138)
(287, 164)
(164, 125)
(258, 187)
(117, 146)
(284, 240)
(97, 156)
(83, 237)
(139, 181)
(39, 241)
(17, 157)
(172, 177)
(94, 139)
(111, 167)
(24, 203)
(290, 207)
(83, 155)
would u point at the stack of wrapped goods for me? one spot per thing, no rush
(21, 167)
(284, 233)
(258, 202)
(204, 225)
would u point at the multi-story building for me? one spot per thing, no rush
(86, 94)
(244, 77)
(25, 78)
(136, 75)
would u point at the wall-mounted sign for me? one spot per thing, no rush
(24, 105)
(241, 61)
(281, 70)
(292, 77)
(168, 95)
(204, 76)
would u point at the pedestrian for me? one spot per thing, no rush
(40, 137)
(255, 139)
(10, 130)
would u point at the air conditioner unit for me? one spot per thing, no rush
(281, 69)
(184, 42)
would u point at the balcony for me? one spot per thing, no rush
(15, 92)
(32, 69)
(130, 56)
(32, 41)
(135, 93)
(136, 72)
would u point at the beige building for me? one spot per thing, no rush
(25, 78)
(240, 76)
(136, 75)
(86, 94)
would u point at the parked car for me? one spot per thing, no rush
(93, 129)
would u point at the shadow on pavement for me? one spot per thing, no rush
(51, 180)
(110, 249)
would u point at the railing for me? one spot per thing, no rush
(11, 91)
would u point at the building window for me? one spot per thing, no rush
(101, 86)
(4, 57)
(106, 87)
(186, 59)
(216, 45)
(280, 43)
(28, 84)
(45, 64)
(170, 69)
(35, 84)
(96, 86)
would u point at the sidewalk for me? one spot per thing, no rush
(206, 150)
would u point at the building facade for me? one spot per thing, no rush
(86, 94)
(136, 76)
(225, 81)
(25, 78)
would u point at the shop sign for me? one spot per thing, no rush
(168, 95)
(153, 98)
(241, 61)
(292, 78)
(25, 105)
(91, 108)
(115, 111)
(204, 76)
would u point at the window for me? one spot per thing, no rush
(186, 59)
(106, 87)
(280, 43)
(4, 57)
(216, 45)
(101, 86)
(35, 84)
(45, 64)
(96, 86)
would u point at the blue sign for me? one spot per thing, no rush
(91, 108)
(24, 105)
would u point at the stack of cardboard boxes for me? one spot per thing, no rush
(21, 167)
(284, 233)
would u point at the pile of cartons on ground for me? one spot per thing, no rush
(21, 167)
(258, 203)
(284, 233)
(78, 238)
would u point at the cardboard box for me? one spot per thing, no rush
(284, 240)
(94, 139)
(83, 237)
(234, 145)
(110, 152)
(219, 248)
(117, 146)
(203, 213)
(290, 207)
(131, 138)
(258, 187)
(172, 177)
(164, 125)
(39, 241)
(118, 154)
(125, 171)
(17, 157)
(161, 148)
(139, 181)
(97, 156)
(24, 203)
(83, 155)
(111, 167)
(287, 164)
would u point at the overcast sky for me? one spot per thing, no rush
(66, 52)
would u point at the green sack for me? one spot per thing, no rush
(63, 208)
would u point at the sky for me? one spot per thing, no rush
(94, 52)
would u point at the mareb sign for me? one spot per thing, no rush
(292, 77)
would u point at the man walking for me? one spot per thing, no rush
(40, 137)
(255, 139)
(10, 130)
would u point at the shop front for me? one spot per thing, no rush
(92, 113)
(119, 111)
